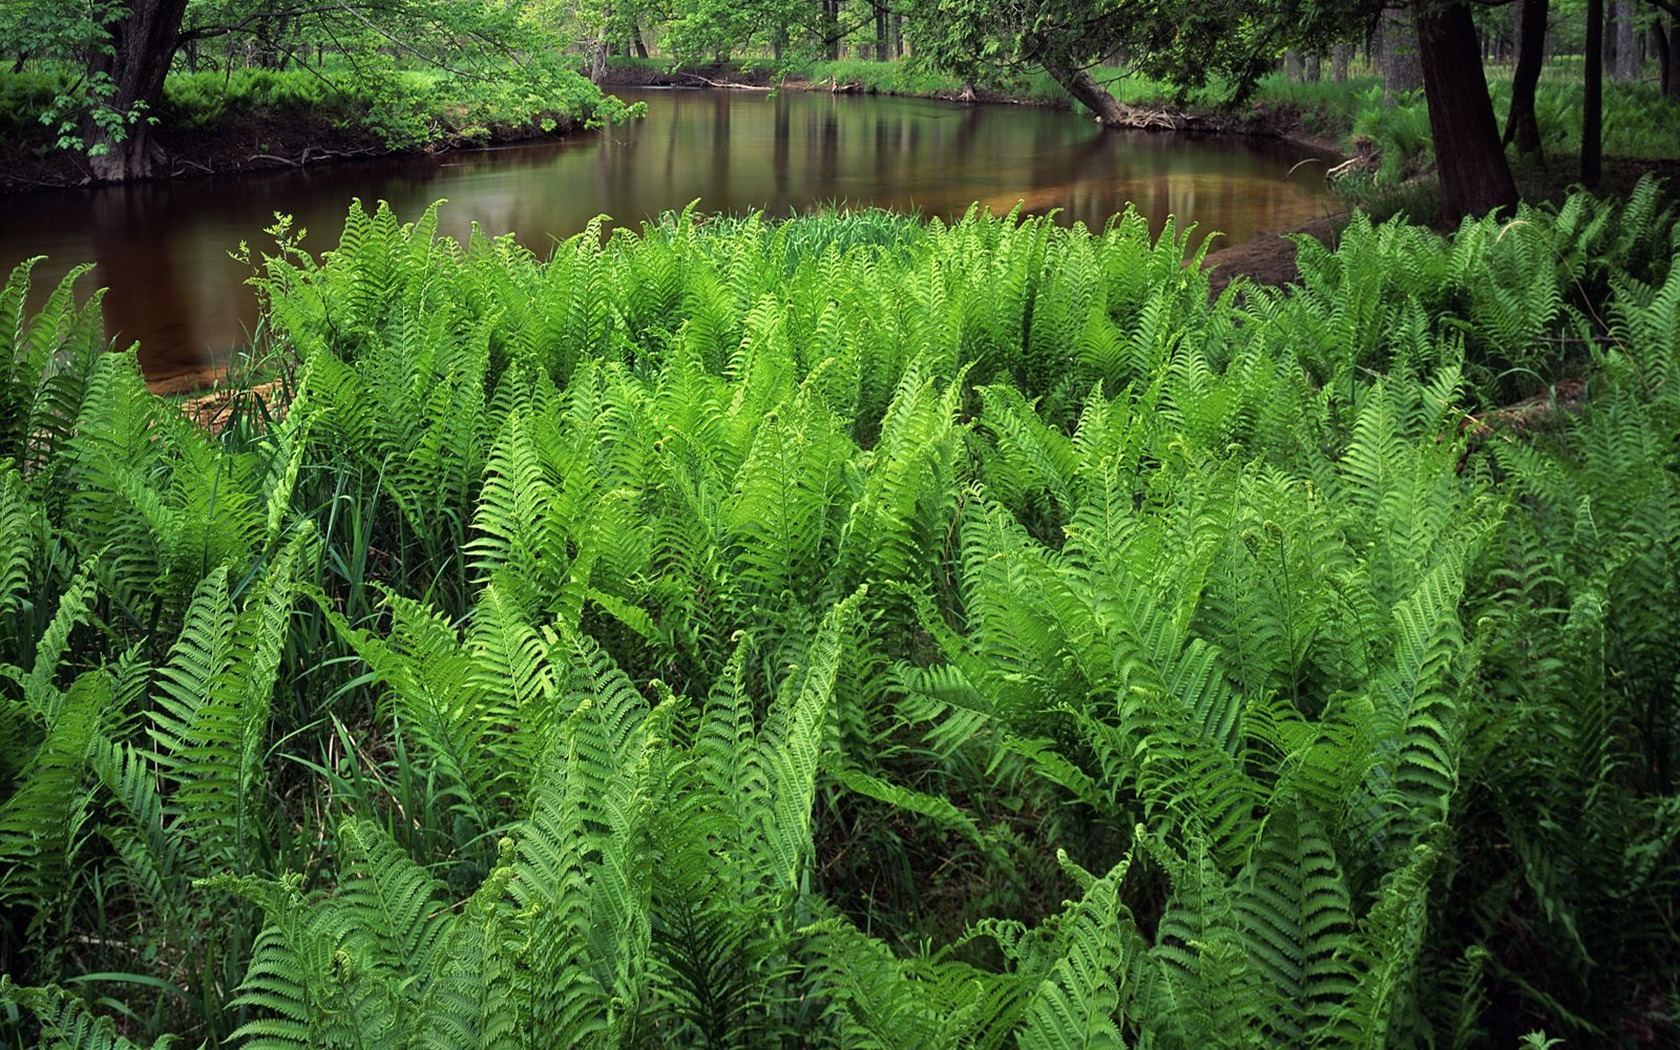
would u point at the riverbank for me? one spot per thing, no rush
(259, 119)
(1263, 118)
(249, 143)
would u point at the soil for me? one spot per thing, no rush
(1268, 259)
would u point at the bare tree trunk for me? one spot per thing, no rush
(1341, 56)
(1522, 127)
(1624, 43)
(1667, 44)
(598, 59)
(143, 40)
(1592, 99)
(1671, 86)
(1398, 45)
(1469, 161)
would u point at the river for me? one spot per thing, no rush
(163, 248)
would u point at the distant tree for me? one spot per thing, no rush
(1398, 53)
(1592, 98)
(1522, 125)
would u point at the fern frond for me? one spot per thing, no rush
(1078, 1005)
(67, 1023)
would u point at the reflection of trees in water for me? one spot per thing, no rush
(132, 243)
(781, 144)
(718, 171)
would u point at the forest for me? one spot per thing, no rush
(857, 629)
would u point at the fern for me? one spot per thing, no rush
(66, 1021)
(213, 706)
(1078, 1004)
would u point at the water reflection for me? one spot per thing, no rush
(162, 249)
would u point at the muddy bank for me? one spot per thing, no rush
(240, 143)
(1267, 260)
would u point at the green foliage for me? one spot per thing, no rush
(849, 631)
(1638, 120)
(1398, 130)
(1526, 295)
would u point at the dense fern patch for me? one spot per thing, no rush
(856, 632)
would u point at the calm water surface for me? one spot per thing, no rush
(162, 248)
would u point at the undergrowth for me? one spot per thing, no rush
(855, 632)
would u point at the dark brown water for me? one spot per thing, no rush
(162, 248)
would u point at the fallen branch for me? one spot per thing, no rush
(1347, 167)
(725, 84)
(1540, 412)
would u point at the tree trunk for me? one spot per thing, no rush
(1626, 44)
(143, 39)
(1522, 127)
(1667, 41)
(882, 37)
(1399, 48)
(1084, 87)
(1592, 99)
(637, 40)
(831, 29)
(1469, 161)
(1671, 86)
(597, 49)
(1341, 56)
